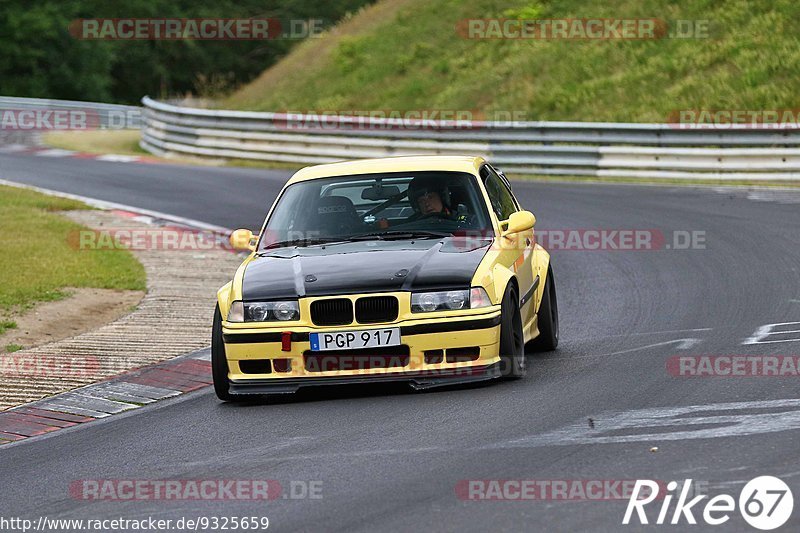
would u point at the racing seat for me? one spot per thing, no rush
(335, 215)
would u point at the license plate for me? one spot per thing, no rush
(354, 340)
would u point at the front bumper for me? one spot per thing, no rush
(418, 380)
(289, 370)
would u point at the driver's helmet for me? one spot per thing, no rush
(423, 185)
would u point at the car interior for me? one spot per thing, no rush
(347, 206)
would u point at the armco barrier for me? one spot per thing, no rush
(102, 116)
(598, 149)
(551, 148)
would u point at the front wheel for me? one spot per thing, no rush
(512, 340)
(547, 318)
(219, 362)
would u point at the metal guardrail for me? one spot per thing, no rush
(97, 115)
(549, 148)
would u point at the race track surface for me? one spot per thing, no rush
(389, 459)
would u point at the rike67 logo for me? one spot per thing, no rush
(765, 503)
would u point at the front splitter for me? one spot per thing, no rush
(417, 380)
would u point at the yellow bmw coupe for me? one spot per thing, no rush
(422, 269)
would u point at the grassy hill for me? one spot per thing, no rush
(407, 55)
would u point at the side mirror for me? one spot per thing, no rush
(242, 239)
(519, 222)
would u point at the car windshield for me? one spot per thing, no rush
(376, 206)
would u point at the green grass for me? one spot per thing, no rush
(126, 142)
(10, 348)
(37, 260)
(120, 142)
(6, 325)
(406, 55)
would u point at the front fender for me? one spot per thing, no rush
(232, 291)
(224, 299)
(501, 277)
(493, 276)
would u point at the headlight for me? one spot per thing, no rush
(426, 302)
(264, 311)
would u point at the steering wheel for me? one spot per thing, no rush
(422, 216)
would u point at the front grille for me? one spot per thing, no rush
(364, 359)
(336, 312)
(376, 309)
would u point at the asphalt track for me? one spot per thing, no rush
(389, 459)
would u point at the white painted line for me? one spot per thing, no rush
(118, 158)
(683, 344)
(11, 148)
(133, 389)
(102, 204)
(55, 152)
(118, 383)
(772, 342)
(680, 423)
(93, 403)
(54, 405)
(768, 330)
(669, 331)
(644, 333)
(117, 396)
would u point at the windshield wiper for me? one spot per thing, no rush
(400, 234)
(381, 235)
(298, 242)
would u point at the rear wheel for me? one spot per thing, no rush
(547, 318)
(219, 362)
(512, 340)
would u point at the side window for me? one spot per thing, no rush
(502, 200)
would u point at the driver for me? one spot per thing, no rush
(428, 196)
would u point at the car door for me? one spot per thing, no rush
(518, 250)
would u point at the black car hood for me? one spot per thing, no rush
(364, 266)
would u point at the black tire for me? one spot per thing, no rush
(512, 340)
(219, 363)
(548, 318)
